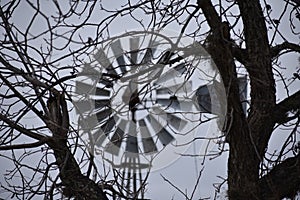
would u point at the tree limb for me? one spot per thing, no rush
(23, 146)
(240, 54)
(21, 129)
(74, 182)
(291, 103)
(296, 2)
(212, 17)
(242, 163)
(259, 67)
(284, 46)
(26, 76)
(282, 181)
(23, 99)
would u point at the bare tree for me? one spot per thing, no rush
(43, 44)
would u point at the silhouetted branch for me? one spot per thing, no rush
(23, 130)
(282, 181)
(23, 146)
(290, 104)
(284, 46)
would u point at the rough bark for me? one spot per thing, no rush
(249, 137)
(282, 181)
(73, 182)
(262, 95)
(260, 72)
(243, 163)
(291, 103)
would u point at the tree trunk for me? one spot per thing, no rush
(249, 137)
(73, 182)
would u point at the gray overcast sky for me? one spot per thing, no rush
(183, 172)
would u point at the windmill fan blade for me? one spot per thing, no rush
(102, 59)
(171, 102)
(103, 114)
(210, 97)
(181, 68)
(104, 131)
(107, 83)
(182, 104)
(99, 138)
(131, 143)
(165, 57)
(176, 122)
(134, 46)
(122, 64)
(108, 126)
(243, 91)
(99, 104)
(164, 136)
(177, 71)
(89, 122)
(203, 98)
(102, 92)
(118, 51)
(149, 55)
(179, 88)
(114, 145)
(83, 106)
(90, 72)
(147, 140)
(84, 88)
(118, 137)
(154, 123)
(173, 120)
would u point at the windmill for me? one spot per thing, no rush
(138, 96)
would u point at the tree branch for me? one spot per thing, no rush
(21, 129)
(282, 181)
(296, 2)
(240, 54)
(291, 103)
(284, 46)
(212, 17)
(26, 76)
(75, 183)
(22, 98)
(24, 146)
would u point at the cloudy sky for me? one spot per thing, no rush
(184, 171)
